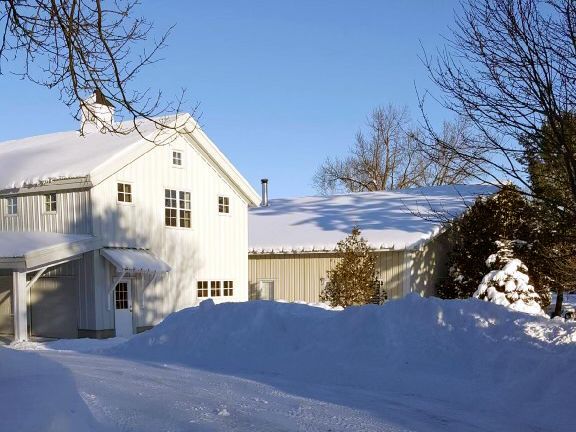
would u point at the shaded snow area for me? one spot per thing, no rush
(410, 365)
(388, 219)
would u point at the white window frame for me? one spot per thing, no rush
(48, 202)
(229, 288)
(203, 288)
(223, 206)
(179, 204)
(131, 193)
(12, 203)
(177, 155)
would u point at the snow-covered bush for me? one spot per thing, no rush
(507, 283)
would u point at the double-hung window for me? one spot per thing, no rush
(202, 289)
(185, 209)
(50, 203)
(215, 289)
(12, 206)
(177, 208)
(228, 288)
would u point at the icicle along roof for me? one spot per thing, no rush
(389, 220)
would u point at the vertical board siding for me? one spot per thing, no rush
(297, 277)
(215, 248)
(72, 215)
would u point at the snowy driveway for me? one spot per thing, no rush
(125, 395)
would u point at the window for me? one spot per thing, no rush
(228, 288)
(184, 209)
(171, 208)
(124, 192)
(202, 289)
(121, 296)
(177, 206)
(215, 289)
(50, 203)
(12, 206)
(223, 205)
(177, 158)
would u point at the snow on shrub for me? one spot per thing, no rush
(507, 284)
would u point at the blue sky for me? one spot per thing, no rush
(281, 84)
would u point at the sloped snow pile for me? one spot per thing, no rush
(39, 395)
(466, 353)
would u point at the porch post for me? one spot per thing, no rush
(20, 298)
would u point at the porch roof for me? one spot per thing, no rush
(24, 251)
(134, 260)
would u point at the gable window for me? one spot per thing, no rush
(177, 208)
(215, 289)
(223, 205)
(177, 158)
(12, 206)
(50, 203)
(124, 192)
(228, 288)
(202, 289)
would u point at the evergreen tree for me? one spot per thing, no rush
(507, 282)
(353, 279)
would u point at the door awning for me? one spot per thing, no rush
(134, 260)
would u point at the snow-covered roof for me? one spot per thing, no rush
(135, 260)
(63, 155)
(401, 219)
(32, 249)
(68, 155)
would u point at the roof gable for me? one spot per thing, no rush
(68, 155)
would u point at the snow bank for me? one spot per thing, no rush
(471, 354)
(40, 395)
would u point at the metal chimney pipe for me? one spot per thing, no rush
(264, 202)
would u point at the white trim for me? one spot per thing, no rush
(20, 306)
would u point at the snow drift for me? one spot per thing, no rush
(470, 354)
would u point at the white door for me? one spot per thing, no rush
(266, 290)
(123, 308)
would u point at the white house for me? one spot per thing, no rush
(105, 234)
(292, 241)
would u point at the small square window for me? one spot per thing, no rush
(215, 289)
(223, 205)
(12, 206)
(202, 289)
(177, 158)
(50, 203)
(124, 192)
(228, 288)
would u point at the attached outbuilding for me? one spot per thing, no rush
(292, 242)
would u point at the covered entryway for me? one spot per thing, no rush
(129, 264)
(39, 283)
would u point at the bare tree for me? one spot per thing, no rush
(394, 155)
(510, 67)
(79, 46)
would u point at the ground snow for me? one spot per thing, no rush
(410, 365)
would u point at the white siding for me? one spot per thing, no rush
(72, 215)
(215, 248)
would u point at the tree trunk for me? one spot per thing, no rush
(559, 301)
